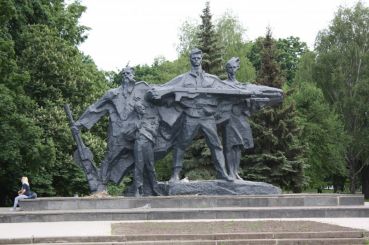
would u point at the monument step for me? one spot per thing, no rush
(286, 200)
(319, 241)
(184, 213)
(215, 239)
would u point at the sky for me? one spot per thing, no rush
(138, 31)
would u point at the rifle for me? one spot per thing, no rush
(83, 156)
(194, 92)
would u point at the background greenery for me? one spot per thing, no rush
(318, 137)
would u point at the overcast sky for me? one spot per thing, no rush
(140, 30)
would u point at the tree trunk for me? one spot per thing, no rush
(353, 175)
(339, 183)
(365, 181)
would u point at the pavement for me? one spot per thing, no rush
(103, 228)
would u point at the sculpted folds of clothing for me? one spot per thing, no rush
(237, 131)
(119, 104)
(193, 80)
(149, 127)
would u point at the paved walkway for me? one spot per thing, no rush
(103, 228)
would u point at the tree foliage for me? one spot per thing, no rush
(208, 42)
(288, 53)
(232, 38)
(323, 130)
(320, 130)
(342, 72)
(278, 156)
(269, 73)
(41, 69)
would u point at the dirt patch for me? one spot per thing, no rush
(215, 227)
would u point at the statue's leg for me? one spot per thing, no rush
(112, 155)
(178, 155)
(228, 151)
(150, 167)
(230, 160)
(209, 128)
(104, 173)
(237, 155)
(139, 151)
(189, 129)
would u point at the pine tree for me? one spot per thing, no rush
(208, 41)
(278, 155)
(270, 71)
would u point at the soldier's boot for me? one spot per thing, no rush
(225, 177)
(156, 191)
(175, 176)
(222, 173)
(238, 177)
(139, 191)
(177, 164)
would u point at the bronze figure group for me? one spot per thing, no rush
(148, 121)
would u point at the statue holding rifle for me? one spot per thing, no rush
(147, 122)
(119, 104)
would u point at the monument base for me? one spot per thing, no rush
(211, 187)
(220, 187)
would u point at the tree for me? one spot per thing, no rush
(41, 69)
(187, 37)
(322, 130)
(288, 54)
(231, 35)
(342, 72)
(208, 42)
(270, 72)
(278, 156)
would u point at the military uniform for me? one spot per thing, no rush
(199, 114)
(147, 128)
(119, 104)
(237, 134)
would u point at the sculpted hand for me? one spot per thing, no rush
(154, 94)
(75, 128)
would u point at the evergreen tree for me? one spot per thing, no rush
(288, 55)
(209, 44)
(278, 155)
(270, 71)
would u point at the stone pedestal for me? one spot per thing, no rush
(210, 187)
(219, 187)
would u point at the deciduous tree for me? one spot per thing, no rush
(342, 72)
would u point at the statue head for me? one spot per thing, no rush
(232, 66)
(196, 57)
(128, 74)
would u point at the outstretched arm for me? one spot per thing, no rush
(94, 112)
